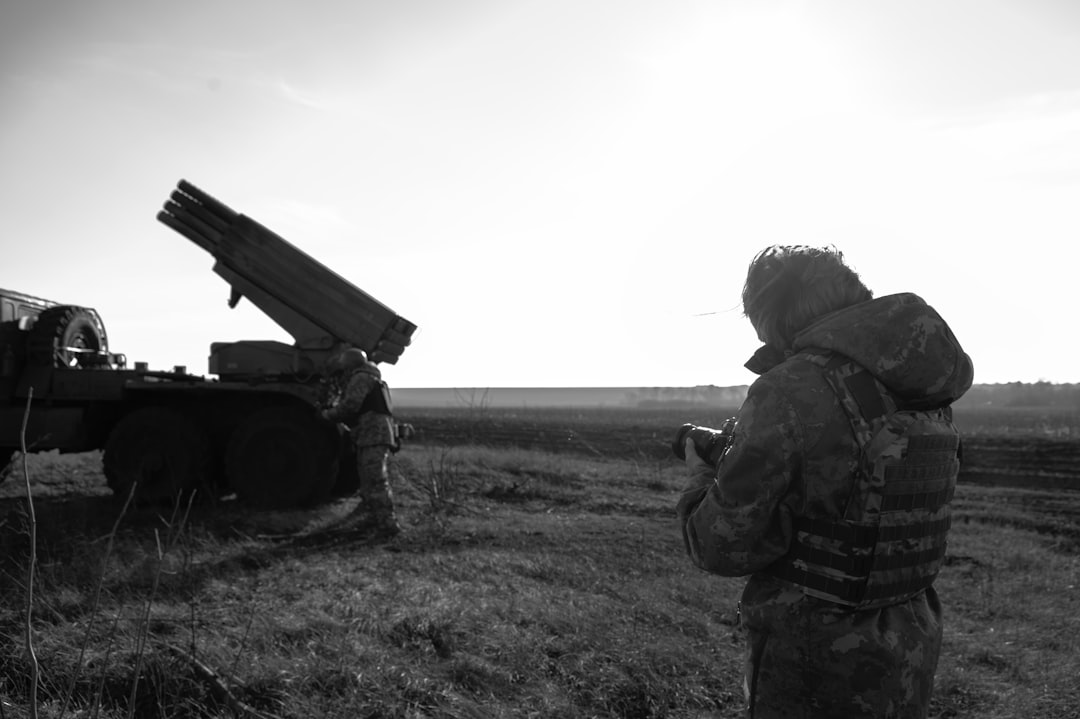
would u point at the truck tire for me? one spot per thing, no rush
(164, 454)
(282, 457)
(60, 332)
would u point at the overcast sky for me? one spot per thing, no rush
(558, 192)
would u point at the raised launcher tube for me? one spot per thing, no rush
(316, 306)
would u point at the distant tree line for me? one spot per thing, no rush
(702, 395)
(1021, 394)
(1009, 394)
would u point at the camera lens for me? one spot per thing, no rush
(709, 443)
(678, 445)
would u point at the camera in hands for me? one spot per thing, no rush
(710, 444)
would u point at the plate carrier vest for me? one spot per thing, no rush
(890, 542)
(378, 400)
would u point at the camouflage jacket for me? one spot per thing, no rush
(346, 403)
(793, 454)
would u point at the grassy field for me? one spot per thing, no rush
(528, 583)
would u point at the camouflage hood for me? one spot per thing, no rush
(900, 339)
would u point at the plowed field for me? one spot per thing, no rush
(1032, 476)
(1019, 456)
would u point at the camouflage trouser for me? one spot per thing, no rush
(373, 490)
(808, 659)
(373, 436)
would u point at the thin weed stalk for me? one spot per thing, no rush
(243, 642)
(442, 487)
(175, 532)
(110, 541)
(100, 689)
(29, 606)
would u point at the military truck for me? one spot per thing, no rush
(251, 428)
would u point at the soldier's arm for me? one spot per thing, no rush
(356, 389)
(736, 522)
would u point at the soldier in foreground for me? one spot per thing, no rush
(833, 491)
(360, 399)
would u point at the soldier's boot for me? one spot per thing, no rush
(376, 516)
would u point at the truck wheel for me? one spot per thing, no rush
(62, 334)
(161, 452)
(282, 457)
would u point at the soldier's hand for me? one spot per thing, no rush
(694, 461)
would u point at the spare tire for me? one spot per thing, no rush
(67, 336)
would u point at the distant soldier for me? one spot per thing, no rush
(834, 492)
(359, 398)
